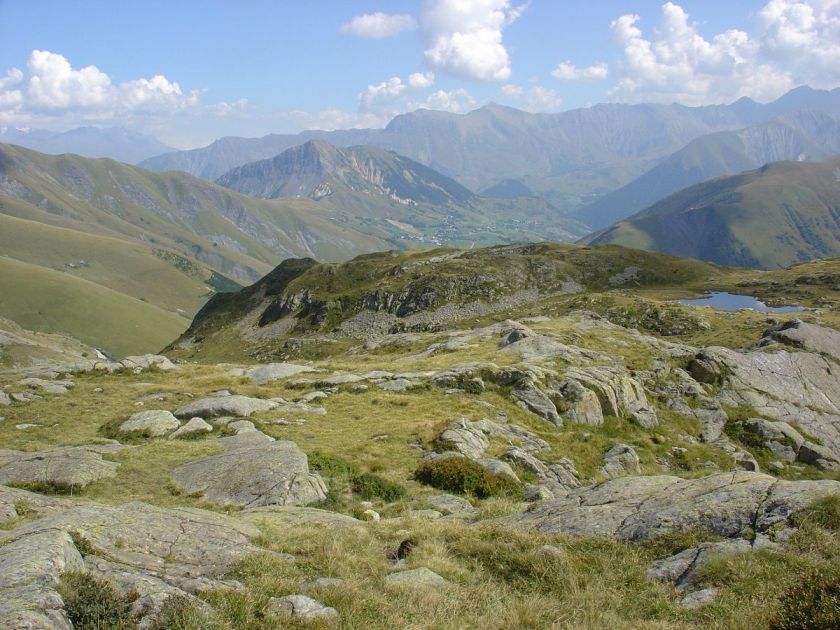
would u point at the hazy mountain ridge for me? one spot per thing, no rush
(117, 143)
(782, 213)
(808, 134)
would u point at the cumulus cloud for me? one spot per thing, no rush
(464, 38)
(421, 80)
(456, 101)
(379, 25)
(794, 42)
(55, 89)
(567, 71)
(514, 91)
(388, 97)
(539, 100)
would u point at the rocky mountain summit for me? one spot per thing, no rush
(477, 438)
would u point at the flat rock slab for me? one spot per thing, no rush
(253, 472)
(72, 467)
(264, 374)
(638, 508)
(215, 406)
(286, 515)
(30, 567)
(160, 541)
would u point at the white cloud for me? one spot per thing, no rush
(421, 81)
(56, 89)
(567, 71)
(388, 98)
(541, 99)
(455, 101)
(378, 25)
(794, 42)
(464, 37)
(804, 37)
(514, 91)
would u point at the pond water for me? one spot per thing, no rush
(723, 301)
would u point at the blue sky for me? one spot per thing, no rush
(190, 72)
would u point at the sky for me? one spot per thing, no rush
(189, 72)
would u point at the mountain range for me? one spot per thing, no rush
(117, 143)
(779, 214)
(570, 159)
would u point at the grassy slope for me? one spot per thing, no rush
(45, 300)
(783, 213)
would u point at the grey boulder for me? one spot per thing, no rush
(214, 406)
(154, 423)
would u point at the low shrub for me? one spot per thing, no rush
(464, 476)
(369, 486)
(813, 603)
(92, 603)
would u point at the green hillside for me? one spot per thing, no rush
(782, 213)
(45, 300)
(167, 240)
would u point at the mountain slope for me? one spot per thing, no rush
(116, 143)
(367, 187)
(159, 244)
(782, 213)
(804, 135)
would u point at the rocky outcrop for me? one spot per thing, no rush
(154, 552)
(254, 470)
(66, 468)
(618, 393)
(799, 387)
(810, 337)
(638, 508)
(299, 607)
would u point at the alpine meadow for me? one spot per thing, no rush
(430, 314)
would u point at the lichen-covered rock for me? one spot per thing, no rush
(580, 405)
(180, 542)
(464, 437)
(449, 504)
(263, 374)
(420, 577)
(620, 460)
(683, 569)
(253, 472)
(30, 566)
(299, 607)
(620, 395)
(530, 397)
(16, 503)
(194, 426)
(214, 406)
(638, 508)
(798, 387)
(70, 467)
(148, 361)
(811, 337)
(153, 422)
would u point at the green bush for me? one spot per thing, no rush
(92, 603)
(369, 486)
(813, 603)
(464, 476)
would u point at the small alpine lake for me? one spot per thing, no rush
(723, 301)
